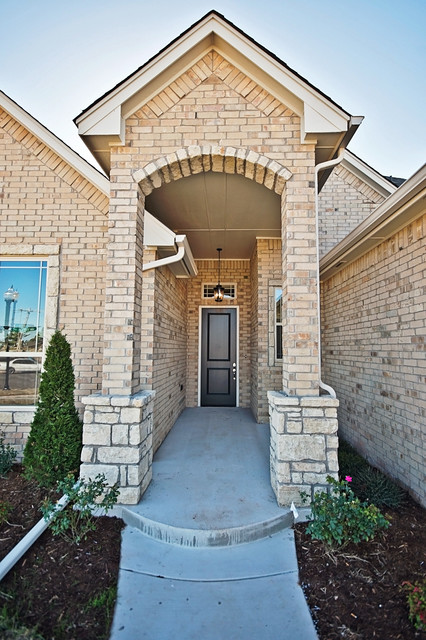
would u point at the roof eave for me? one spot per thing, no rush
(404, 205)
(65, 152)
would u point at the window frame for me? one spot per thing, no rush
(51, 255)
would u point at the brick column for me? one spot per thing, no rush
(303, 444)
(123, 304)
(300, 323)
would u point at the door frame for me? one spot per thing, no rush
(237, 338)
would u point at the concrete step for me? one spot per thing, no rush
(273, 555)
(248, 591)
(188, 537)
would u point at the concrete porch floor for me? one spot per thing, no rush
(208, 553)
(212, 472)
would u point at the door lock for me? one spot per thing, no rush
(234, 371)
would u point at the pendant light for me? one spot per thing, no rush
(218, 291)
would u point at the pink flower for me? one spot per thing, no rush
(348, 479)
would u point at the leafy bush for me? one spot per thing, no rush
(54, 444)
(75, 521)
(7, 456)
(416, 599)
(5, 509)
(372, 485)
(338, 517)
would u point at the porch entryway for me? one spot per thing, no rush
(211, 481)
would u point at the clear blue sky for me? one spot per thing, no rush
(58, 56)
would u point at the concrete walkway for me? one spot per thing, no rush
(207, 554)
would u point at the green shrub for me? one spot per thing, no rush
(349, 459)
(54, 444)
(75, 521)
(338, 517)
(5, 509)
(416, 599)
(372, 485)
(7, 456)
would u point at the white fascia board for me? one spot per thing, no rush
(112, 121)
(367, 174)
(53, 142)
(156, 234)
(398, 210)
(213, 32)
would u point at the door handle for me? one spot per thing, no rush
(234, 371)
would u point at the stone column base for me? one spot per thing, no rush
(303, 444)
(117, 441)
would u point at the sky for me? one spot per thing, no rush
(369, 56)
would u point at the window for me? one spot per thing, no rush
(278, 323)
(22, 319)
(230, 291)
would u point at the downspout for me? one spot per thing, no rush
(318, 168)
(28, 540)
(179, 242)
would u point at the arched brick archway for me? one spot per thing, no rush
(196, 159)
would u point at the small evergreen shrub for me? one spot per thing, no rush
(372, 485)
(416, 600)
(338, 517)
(75, 521)
(54, 444)
(7, 456)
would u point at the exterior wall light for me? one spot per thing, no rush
(218, 291)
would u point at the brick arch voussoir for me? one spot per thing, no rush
(197, 159)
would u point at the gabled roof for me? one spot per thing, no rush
(56, 144)
(370, 176)
(323, 121)
(403, 206)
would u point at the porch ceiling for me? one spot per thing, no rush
(218, 210)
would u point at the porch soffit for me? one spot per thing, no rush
(102, 124)
(218, 210)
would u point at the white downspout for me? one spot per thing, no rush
(318, 168)
(163, 261)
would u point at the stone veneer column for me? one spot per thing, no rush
(303, 444)
(117, 441)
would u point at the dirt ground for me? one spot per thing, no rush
(65, 591)
(356, 593)
(68, 592)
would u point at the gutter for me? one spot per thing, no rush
(319, 167)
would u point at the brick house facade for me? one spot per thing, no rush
(219, 141)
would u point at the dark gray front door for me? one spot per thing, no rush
(218, 357)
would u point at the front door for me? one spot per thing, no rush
(218, 357)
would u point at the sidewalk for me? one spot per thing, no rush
(207, 554)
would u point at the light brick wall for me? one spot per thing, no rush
(374, 354)
(212, 105)
(344, 202)
(232, 271)
(267, 373)
(45, 203)
(169, 350)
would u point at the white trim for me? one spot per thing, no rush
(319, 113)
(200, 317)
(367, 174)
(53, 142)
(398, 210)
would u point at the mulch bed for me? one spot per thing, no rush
(355, 593)
(54, 586)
